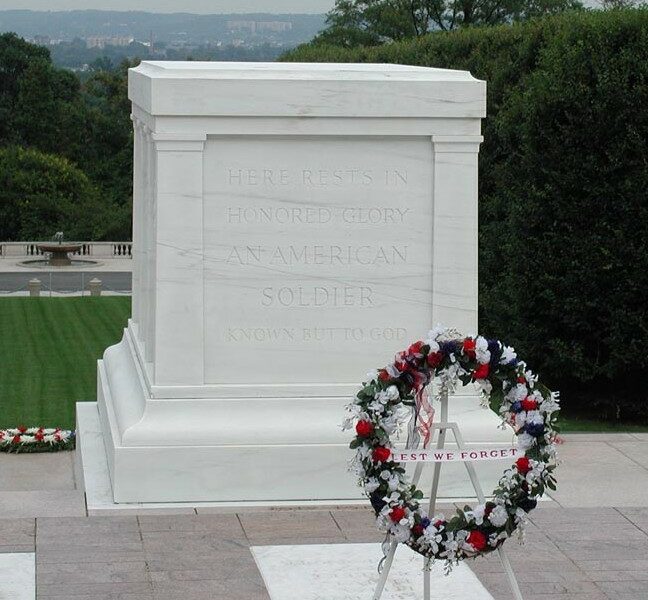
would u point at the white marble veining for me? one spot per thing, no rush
(348, 572)
(294, 227)
(18, 576)
(304, 90)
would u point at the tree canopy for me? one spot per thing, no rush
(371, 22)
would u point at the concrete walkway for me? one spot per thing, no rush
(590, 544)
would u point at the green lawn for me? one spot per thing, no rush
(48, 353)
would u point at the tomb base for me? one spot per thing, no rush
(244, 449)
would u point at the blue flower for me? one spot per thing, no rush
(516, 406)
(535, 429)
(377, 501)
(425, 522)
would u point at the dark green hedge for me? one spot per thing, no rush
(563, 194)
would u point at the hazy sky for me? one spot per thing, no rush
(194, 6)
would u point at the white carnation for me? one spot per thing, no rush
(498, 516)
(482, 353)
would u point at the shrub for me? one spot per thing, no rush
(563, 193)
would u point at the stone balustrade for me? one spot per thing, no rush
(103, 250)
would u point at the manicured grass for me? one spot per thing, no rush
(48, 360)
(576, 424)
(48, 355)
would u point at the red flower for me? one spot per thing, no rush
(39, 436)
(415, 348)
(418, 530)
(477, 540)
(397, 513)
(434, 359)
(438, 523)
(523, 465)
(383, 375)
(15, 439)
(469, 347)
(364, 428)
(381, 454)
(22, 429)
(482, 371)
(521, 379)
(529, 403)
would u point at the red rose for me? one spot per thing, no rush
(521, 379)
(415, 348)
(381, 454)
(434, 359)
(529, 403)
(469, 347)
(39, 436)
(397, 513)
(22, 429)
(482, 371)
(477, 540)
(383, 375)
(418, 530)
(15, 439)
(438, 523)
(523, 465)
(364, 428)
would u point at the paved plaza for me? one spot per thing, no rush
(589, 543)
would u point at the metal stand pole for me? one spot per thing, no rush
(443, 426)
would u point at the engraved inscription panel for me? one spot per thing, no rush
(318, 256)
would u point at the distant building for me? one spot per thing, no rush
(259, 26)
(103, 41)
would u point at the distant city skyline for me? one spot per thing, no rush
(171, 6)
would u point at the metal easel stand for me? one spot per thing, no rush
(443, 427)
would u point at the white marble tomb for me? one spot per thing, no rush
(295, 225)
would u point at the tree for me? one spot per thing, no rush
(16, 55)
(371, 22)
(42, 193)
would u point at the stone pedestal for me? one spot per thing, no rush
(294, 226)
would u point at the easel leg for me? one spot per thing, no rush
(426, 579)
(508, 569)
(506, 563)
(380, 587)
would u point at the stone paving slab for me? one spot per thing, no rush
(48, 503)
(196, 557)
(37, 472)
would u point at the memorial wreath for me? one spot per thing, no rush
(36, 439)
(396, 395)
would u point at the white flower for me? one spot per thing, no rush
(371, 485)
(400, 531)
(391, 393)
(508, 354)
(525, 441)
(376, 406)
(393, 482)
(531, 378)
(432, 337)
(477, 514)
(482, 353)
(372, 375)
(389, 424)
(498, 516)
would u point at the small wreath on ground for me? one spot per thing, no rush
(36, 439)
(396, 395)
